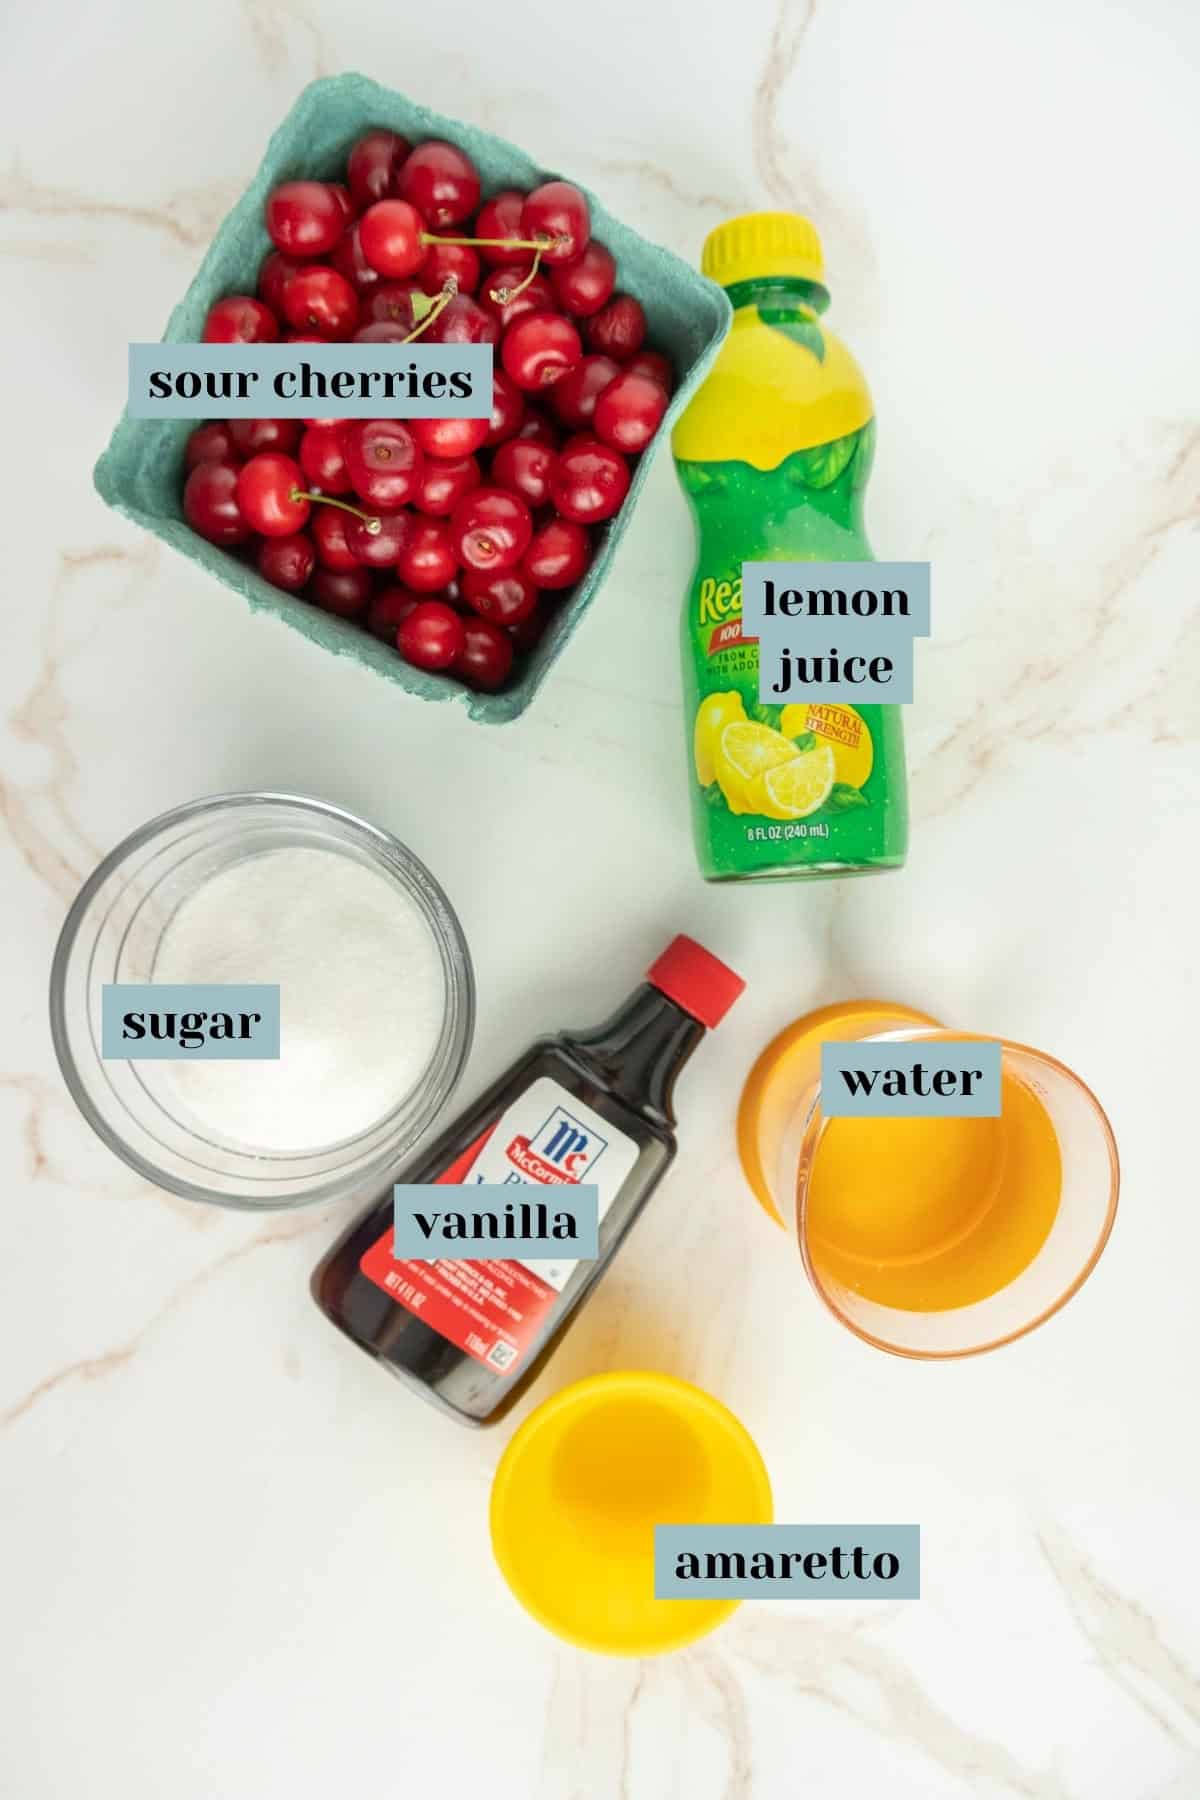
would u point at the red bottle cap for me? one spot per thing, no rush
(695, 979)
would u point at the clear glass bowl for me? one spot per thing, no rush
(112, 934)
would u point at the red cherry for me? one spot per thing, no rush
(629, 412)
(383, 460)
(537, 428)
(240, 319)
(490, 529)
(376, 541)
(506, 599)
(380, 331)
(440, 182)
(444, 481)
(264, 494)
(486, 656)
(449, 437)
(500, 217)
(463, 321)
(252, 436)
(508, 409)
(537, 297)
(392, 301)
(344, 199)
(304, 218)
(530, 631)
(209, 443)
(342, 591)
(618, 329)
(328, 527)
(348, 259)
(321, 300)
(539, 349)
(450, 262)
(322, 460)
(654, 364)
(523, 467)
(426, 561)
(432, 635)
(287, 562)
(558, 554)
(373, 164)
(389, 234)
(588, 482)
(210, 503)
(574, 397)
(273, 276)
(390, 606)
(557, 212)
(582, 287)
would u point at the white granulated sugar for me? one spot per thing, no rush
(362, 996)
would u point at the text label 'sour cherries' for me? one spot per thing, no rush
(383, 460)
(270, 494)
(618, 329)
(486, 656)
(304, 218)
(629, 412)
(240, 319)
(287, 562)
(321, 300)
(441, 182)
(589, 482)
(210, 503)
(582, 287)
(505, 599)
(373, 165)
(539, 349)
(431, 636)
(490, 530)
(557, 213)
(558, 554)
(390, 235)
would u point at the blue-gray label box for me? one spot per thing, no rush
(787, 1562)
(158, 1021)
(928, 1079)
(472, 1221)
(835, 631)
(299, 381)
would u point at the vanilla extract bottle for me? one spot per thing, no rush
(592, 1105)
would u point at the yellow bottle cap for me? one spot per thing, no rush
(763, 243)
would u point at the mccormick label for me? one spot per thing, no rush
(494, 1310)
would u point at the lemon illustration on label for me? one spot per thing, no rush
(744, 754)
(714, 714)
(841, 728)
(799, 786)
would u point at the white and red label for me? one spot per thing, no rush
(495, 1309)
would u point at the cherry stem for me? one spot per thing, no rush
(503, 296)
(449, 289)
(372, 525)
(428, 237)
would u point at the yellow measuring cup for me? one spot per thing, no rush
(582, 1485)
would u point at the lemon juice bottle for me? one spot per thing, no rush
(773, 453)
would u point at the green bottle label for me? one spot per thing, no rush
(810, 787)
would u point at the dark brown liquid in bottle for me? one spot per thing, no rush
(624, 1070)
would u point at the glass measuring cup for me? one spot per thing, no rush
(1037, 1190)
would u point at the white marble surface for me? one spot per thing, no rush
(238, 1562)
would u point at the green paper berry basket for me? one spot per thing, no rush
(140, 473)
